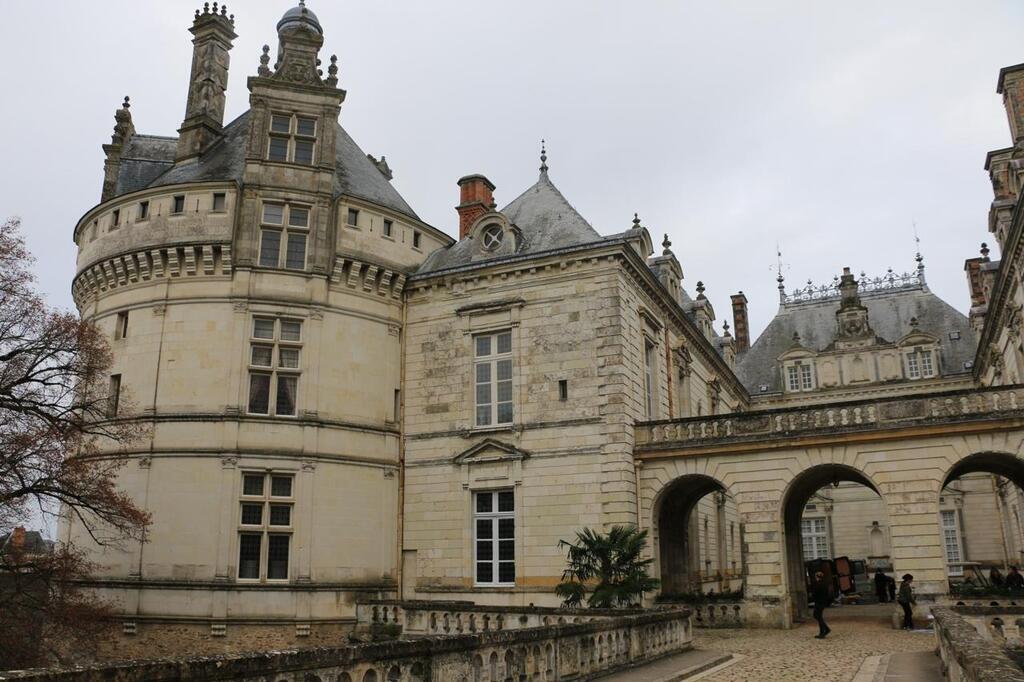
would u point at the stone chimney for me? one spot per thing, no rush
(740, 324)
(1011, 87)
(123, 130)
(475, 198)
(204, 110)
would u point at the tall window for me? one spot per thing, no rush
(814, 534)
(276, 345)
(920, 364)
(649, 379)
(493, 378)
(114, 395)
(806, 378)
(121, 326)
(951, 541)
(494, 537)
(285, 224)
(178, 204)
(388, 225)
(143, 213)
(292, 139)
(265, 526)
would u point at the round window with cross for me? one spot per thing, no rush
(491, 237)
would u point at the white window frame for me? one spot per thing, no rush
(814, 539)
(920, 363)
(952, 545)
(275, 370)
(492, 360)
(292, 136)
(265, 529)
(285, 230)
(493, 517)
(799, 377)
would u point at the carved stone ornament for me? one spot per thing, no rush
(229, 462)
(298, 68)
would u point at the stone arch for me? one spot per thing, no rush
(672, 511)
(794, 498)
(996, 463)
(394, 674)
(370, 675)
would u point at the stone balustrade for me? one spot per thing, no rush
(430, 617)
(764, 426)
(721, 615)
(967, 654)
(575, 651)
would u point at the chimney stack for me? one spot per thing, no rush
(1011, 87)
(475, 198)
(740, 324)
(18, 538)
(204, 110)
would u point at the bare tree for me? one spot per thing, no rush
(61, 445)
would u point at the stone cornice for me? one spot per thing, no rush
(942, 413)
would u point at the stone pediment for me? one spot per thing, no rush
(490, 450)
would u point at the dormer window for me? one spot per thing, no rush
(292, 139)
(287, 225)
(491, 237)
(799, 377)
(920, 364)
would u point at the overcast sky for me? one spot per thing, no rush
(825, 126)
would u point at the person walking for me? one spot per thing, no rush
(822, 594)
(906, 600)
(881, 586)
(1014, 581)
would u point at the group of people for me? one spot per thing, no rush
(885, 587)
(1012, 581)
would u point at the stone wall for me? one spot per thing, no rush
(556, 652)
(967, 656)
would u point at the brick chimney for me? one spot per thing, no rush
(17, 540)
(740, 324)
(1011, 87)
(475, 198)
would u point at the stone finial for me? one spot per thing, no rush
(123, 128)
(913, 323)
(725, 329)
(700, 291)
(264, 69)
(636, 221)
(332, 72)
(543, 158)
(984, 251)
(666, 245)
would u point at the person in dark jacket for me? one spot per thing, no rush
(906, 600)
(892, 588)
(881, 586)
(821, 592)
(995, 577)
(1014, 581)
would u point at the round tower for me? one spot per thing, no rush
(250, 276)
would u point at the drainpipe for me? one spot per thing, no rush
(400, 418)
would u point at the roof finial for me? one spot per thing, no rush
(918, 257)
(700, 290)
(636, 221)
(984, 251)
(543, 158)
(779, 277)
(667, 246)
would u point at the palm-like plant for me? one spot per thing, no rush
(610, 563)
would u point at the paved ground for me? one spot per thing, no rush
(682, 666)
(858, 633)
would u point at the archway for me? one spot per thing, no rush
(823, 484)
(981, 503)
(699, 537)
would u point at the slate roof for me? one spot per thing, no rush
(148, 161)
(889, 314)
(545, 218)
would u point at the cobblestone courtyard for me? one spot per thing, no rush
(795, 656)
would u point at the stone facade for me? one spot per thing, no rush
(347, 403)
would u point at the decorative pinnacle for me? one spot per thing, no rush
(984, 250)
(700, 289)
(666, 245)
(913, 322)
(127, 104)
(725, 329)
(636, 221)
(543, 157)
(264, 70)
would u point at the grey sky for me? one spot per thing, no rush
(826, 126)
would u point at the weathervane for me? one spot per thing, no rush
(779, 267)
